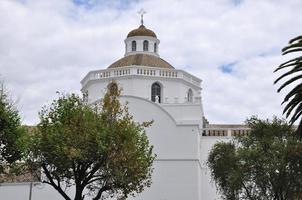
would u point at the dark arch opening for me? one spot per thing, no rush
(113, 88)
(156, 92)
(133, 46)
(190, 95)
(146, 45)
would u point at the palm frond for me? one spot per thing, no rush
(289, 82)
(293, 99)
(291, 105)
(295, 39)
(289, 63)
(293, 92)
(292, 45)
(291, 51)
(295, 69)
(296, 114)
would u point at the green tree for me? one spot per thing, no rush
(263, 165)
(293, 99)
(97, 149)
(11, 132)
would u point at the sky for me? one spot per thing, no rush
(232, 45)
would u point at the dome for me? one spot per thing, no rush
(143, 60)
(141, 31)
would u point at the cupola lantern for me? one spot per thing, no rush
(141, 40)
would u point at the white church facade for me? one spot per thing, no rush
(181, 137)
(155, 90)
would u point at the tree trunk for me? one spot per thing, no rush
(79, 193)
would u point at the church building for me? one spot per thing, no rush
(181, 136)
(155, 90)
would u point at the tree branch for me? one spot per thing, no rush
(100, 192)
(247, 191)
(52, 183)
(91, 174)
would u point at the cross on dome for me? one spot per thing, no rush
(142, 12)
(141, 30)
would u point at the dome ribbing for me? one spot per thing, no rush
(141, 31)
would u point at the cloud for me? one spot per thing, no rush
(49, 46)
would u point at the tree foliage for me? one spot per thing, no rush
(264, 165)
(293, 99)
(98, 149)
(11, 132)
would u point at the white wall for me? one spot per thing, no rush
(21, 192)
(173, 180)
(176, 169)
(186, 113)
(171, 141)
(139, 45)
(173, 90)
(208, 189)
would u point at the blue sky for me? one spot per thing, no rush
(232, 45)
(227, 67)
(117, 4)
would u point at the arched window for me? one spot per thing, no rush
(146, 45)
(113, 88)
(156, 93)
(85, 96)
(190, 95)
(133, 45)
(155, 47)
